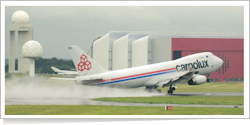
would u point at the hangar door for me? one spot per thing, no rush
(176, 55)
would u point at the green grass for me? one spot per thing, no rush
(7, 75)
(214, 100)
(115, 110)
(18, 75)
(209, 87)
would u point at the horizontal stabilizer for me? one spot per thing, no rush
(86, 82)
(62, 78)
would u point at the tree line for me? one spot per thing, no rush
(44, 65)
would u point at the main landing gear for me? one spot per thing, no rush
(152, 89)
(171, 89)
(208, 78)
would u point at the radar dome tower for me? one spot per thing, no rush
(32, 49)
(21, 28)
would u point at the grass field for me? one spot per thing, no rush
(115, 110)
(231, 100)
(209, 87)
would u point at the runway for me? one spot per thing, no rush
(89, 101)
(42, 91)
(206, 94)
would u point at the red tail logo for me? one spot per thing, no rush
(84, 63)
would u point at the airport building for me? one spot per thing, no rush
(230, 50)
(102, 49)
(20, 31)
(21, 36)
(120, 50)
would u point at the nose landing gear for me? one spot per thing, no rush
(208, 78)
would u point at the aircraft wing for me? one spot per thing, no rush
(168, 82)
(64, 73)
(57, 78)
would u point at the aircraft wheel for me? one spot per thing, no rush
(148, 90)
(170, 92)
(159, 91)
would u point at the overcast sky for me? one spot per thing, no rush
(56, 28)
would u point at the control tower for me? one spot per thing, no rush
(20, 32)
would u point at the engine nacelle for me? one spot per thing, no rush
(197, 80)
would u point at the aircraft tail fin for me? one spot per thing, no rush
(84, 64)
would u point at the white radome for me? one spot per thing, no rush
(32, 49)
(20, 17)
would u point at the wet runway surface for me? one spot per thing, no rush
(49, 92)
(89, 101)
(206, 94)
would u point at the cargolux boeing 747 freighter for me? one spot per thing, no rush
(165, 74)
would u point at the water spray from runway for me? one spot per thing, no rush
(43, 88)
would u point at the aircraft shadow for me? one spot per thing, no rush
(185, 95)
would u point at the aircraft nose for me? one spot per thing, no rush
(219, 61)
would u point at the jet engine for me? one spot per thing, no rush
(200, 79)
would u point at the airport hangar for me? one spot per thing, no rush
(120, 50)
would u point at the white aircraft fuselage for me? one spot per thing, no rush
(151, 75)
